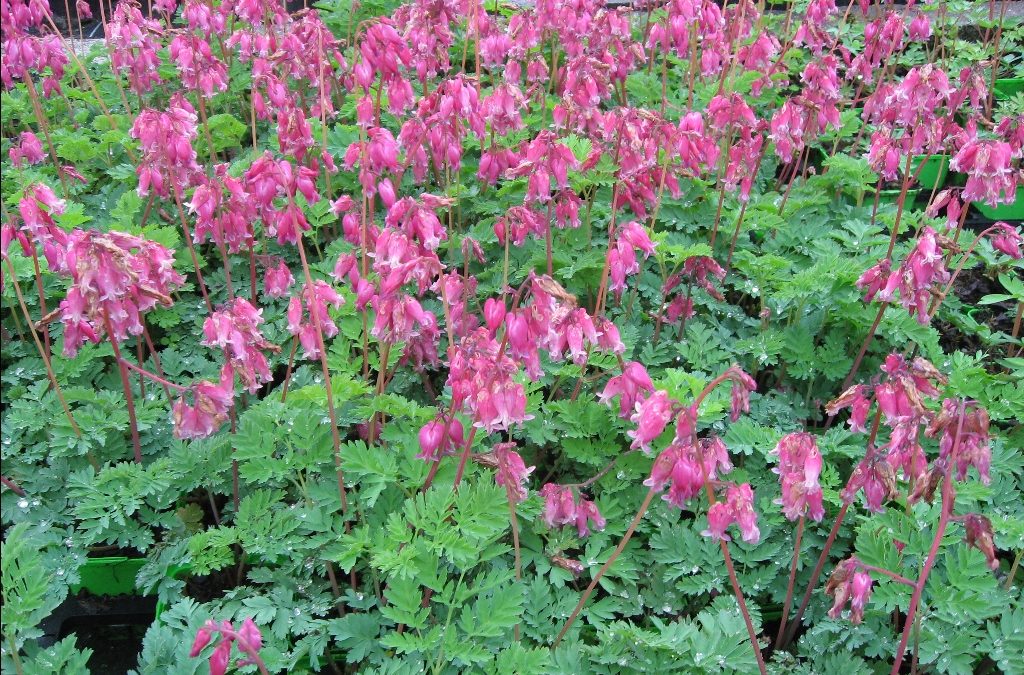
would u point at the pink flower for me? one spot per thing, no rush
(439, 438)
(220, 657)
(202, 639)
(979, 535)
(29, 149)
(849, 583)
(561, 508)
(799, 468)
(235, 329)
(209, 409)
(250, 634)
(630, 386)
(1007, 239)
(651, 417)
(494, 313)
(512, 473)
(278, 280)
(920, 28)
(738, 508)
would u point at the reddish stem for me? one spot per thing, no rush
(129, 400)
(604, 568)
(335, 435)
(948, 497)
(792, 579)
(12, 485)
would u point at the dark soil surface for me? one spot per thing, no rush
(113, 627)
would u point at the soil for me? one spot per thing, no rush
(113, 627)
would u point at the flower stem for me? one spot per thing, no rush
(191, 249)
(464, 458)
(126, 385)
(948, 497)
(42, 351)
(514, 523)
(335, 435)
(792, 578)
(864, 347)
(12, 485)
(604, 568)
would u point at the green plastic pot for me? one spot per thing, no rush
(109, 576)
(1008, 88)
(933, 173)
(1014, 211)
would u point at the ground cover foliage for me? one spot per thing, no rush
(470, 337)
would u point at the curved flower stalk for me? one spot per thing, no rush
(115, 278)
(799, 468)
(689, 464)
(962, 428)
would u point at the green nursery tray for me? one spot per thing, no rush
(934, 172)
(1008, 87)
(1014, 211)
(109, 576)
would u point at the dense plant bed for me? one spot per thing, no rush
(462, 336)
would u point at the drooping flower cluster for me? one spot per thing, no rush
(134, 46)
(225, 218)
(211, 403)
(168, 159)
(308, 316)
(115, 278)
(622, 258)
(248, 639)
(561, 507)
(849, 583)
(687, 467)
(235, 329)
(799, 468)
(553, 322)
(482, 381)
(922, 269)
(900, 399)
(512, 473)
(737, 508)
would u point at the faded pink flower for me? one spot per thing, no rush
(849, 583)
(512, 472)
(738, 508)
(209, 409)
(979, 535)
(562, 508)
(235, 329)
(799, 468)
(1007, 239)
